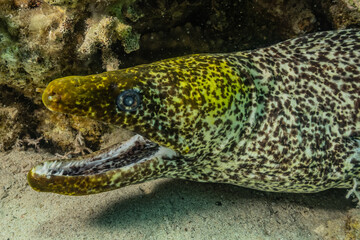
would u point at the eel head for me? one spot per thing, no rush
(178, 108)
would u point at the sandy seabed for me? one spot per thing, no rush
(167, 209)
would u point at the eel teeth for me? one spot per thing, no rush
(135, 150)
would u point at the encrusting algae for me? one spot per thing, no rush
(284, 118)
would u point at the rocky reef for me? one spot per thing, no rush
(44, 39)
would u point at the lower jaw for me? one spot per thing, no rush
(134, 161)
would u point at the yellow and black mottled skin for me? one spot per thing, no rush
(284, 118)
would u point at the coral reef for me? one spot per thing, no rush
(39, 39)
(102, 33)
(343, 14)
(8, 55)
(32, 47)
(14, 120)
(64, 132)
(295, 17)
(10, 127)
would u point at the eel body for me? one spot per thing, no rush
(284, 118)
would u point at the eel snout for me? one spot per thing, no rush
(134, 161)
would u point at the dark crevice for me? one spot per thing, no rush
(25, 120)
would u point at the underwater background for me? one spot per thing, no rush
(41, 40)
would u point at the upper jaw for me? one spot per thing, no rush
(136, 160)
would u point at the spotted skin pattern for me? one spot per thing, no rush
(284, 118)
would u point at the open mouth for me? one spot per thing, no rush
(135, 160)
(135, 150)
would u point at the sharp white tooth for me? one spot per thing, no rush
(58, 165)
(45, 167)
(78, 164)
(67, 165)
(42, 169)
(52, 165)
(49, 166)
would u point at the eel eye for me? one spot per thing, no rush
(128, 100)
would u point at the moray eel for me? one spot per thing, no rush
(283, 118)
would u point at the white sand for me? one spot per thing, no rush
(165, 209)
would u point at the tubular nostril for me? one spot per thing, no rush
(54, 97)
